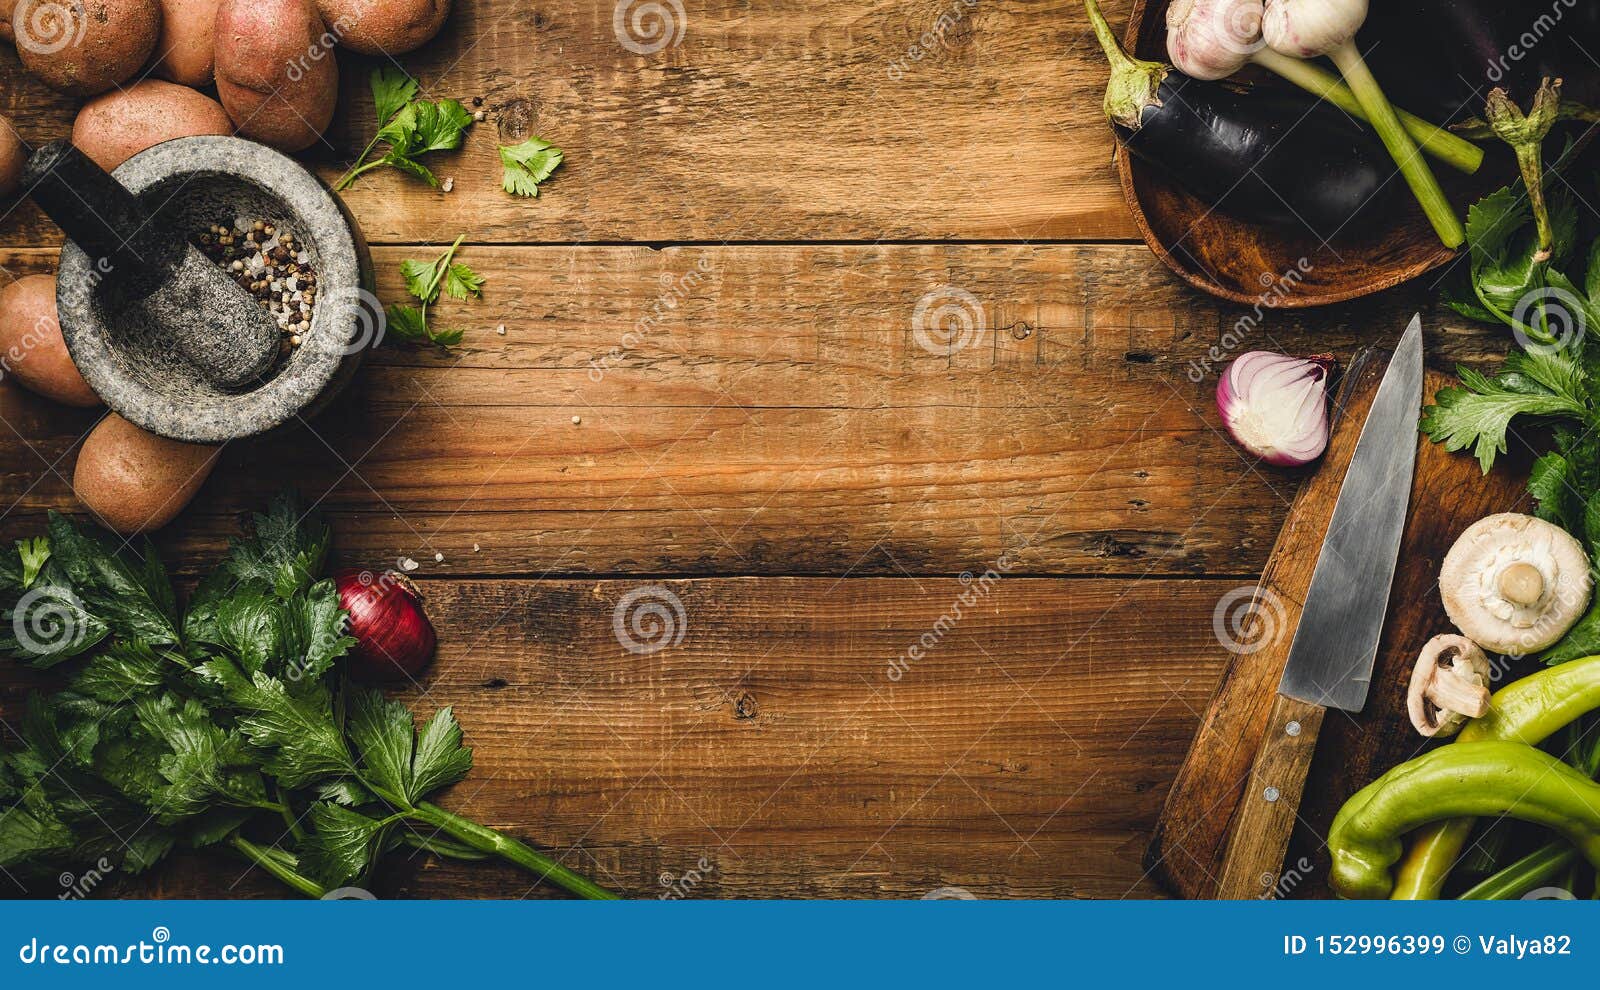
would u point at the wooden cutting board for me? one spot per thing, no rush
(1448, 493)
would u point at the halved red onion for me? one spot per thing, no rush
(1276, 406)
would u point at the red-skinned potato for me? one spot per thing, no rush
(86, 46)
(12, 157)
(276, 71)
(114, 127)
(186, 52)
(134, 481)
(31, 348)
(384, 27)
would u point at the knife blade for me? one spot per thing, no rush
(1335, 645)
(1336, 642)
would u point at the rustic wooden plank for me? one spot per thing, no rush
(788, 120)
(1025, 753)
(771, 410)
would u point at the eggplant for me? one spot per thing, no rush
(1281, 159)
(1440, 58)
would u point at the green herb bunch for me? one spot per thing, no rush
(1552, 378)
(224, 724)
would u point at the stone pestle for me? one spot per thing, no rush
(217, 326)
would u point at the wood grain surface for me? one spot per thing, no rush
(722, 284)
(779, 120)
(1023, 757)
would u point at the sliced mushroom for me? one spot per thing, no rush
(1514, 584)
(1449, 685)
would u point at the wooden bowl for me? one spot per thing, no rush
(1246, 262)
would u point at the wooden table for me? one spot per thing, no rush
(723, 284)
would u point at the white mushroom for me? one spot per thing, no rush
(1514, 584)
(1449, 685)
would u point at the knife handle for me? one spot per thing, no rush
(1271, 801)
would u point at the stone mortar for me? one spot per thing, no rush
(189, 184)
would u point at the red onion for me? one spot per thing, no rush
(1276, 407)
(394, 639)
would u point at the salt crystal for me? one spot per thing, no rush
(438, 558)
(407, 564)
(449, 184)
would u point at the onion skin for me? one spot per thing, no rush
(394, 639)
(1276, 407)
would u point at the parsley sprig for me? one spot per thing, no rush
(224, 724)
(426, 281)
(408, 127)
(1518, 276)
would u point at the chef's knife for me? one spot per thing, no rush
(1336, 643)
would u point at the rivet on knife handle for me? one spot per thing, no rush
(1266, 817)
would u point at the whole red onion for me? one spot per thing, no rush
(394, 639)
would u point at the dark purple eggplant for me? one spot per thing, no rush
(1440, 58)
(1272, 158)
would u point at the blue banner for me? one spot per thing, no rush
(926, 943)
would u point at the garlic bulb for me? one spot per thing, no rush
(1213, 39)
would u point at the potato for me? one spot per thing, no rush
(135, 481)
(12, 157)
(384, 27)
(276, 71)
(84, 47)
(188, 41)
(114, 127)
(31, 348)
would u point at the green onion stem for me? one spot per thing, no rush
(1459, 154)
(1401, 148)
(1529, 873)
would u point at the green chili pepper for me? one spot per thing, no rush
(1466, 779)
(1527, 711)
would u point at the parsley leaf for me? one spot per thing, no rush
(406, 764)
(1478, 413)
(341, 848)
(392, 89)
(409, 127)
(34, 553)
(461, 282)
(528, 164)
